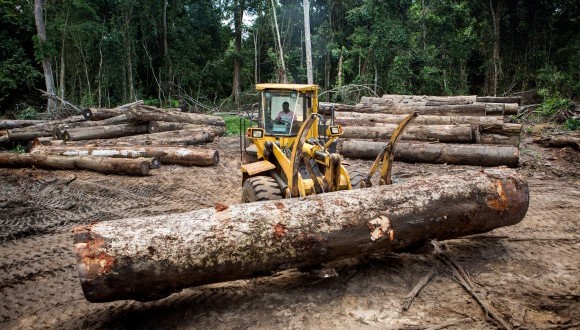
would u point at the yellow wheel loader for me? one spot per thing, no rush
(293, 143)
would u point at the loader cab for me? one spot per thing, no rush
(284, 108)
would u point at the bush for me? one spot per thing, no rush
(553, 103)
(28, 113)
(572, 124)
(233, 126)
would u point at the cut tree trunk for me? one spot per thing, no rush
(146, 114)
(560, 141)
(136, 166)
(101, 114)
(24, 134)
(103, 132)
(162, 126)
(440, 110)
(181, 137)
(443, 133)
(501, 109)
(8, 124)
(371, 119)
(499, 139)
(150, 258)
(58, 131)
(497, 99)
(435, 153)
(166, 155)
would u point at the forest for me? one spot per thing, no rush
(211, 53)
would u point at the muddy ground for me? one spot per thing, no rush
(529, 272)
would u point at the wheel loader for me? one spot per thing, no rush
(293, 141)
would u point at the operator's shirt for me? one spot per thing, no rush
(287, 117)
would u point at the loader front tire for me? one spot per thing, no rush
(260, 188)
(356, 178)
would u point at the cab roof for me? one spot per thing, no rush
(289, 87)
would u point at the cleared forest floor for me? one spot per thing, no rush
(529, 272)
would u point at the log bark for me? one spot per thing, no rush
(8, 124)
(101, 114)
(145, 114)
(137, 166)
(560, 141)
(150, 258)
(442, 110)
(435, 153)
(57, 132)
(181, 137)
(103, 132)
(163, 126)
(497, 99)
(24, 134)
(371, 119)
(442, 133)
(501, 109)
(166, 155)
(499, 139)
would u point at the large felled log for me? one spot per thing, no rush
(7, 124)
(181, 137)
(57, 131)
(500, 109)
(442, 133)
(149, 258)
(131, 166)
(499, 139)
(25, 134)
(103, 132)
(497, 99)
(145, 114)
(494, 123)
(166, 155)
(100, 114)
(559, 141)
(435, 153)
(162, 126)
(440, 110)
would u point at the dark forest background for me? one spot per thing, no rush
(104, 53)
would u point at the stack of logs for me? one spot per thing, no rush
(126, 140)
(465, 130)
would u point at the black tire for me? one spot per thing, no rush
(260, 188)
(356, 178)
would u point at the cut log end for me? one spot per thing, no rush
(88, 114)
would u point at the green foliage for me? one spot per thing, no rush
(553, 103)
(28, 113)
(234, 124)
(18, 149)
(572, 124)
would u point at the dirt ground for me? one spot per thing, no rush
(529, 272)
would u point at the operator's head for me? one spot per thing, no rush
(286, 107)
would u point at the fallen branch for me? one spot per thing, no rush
(422, 283)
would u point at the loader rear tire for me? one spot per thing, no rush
(356, 178)
(260, 188)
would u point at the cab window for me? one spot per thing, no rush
(284, 112)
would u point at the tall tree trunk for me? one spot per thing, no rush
(339, 74)
(46, 67)
(496, 17)
(166, 57)
(309, 73)
(282, 65)
(128, 50)
(238, 17)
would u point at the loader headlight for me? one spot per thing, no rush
(256, 133)
(334, 130)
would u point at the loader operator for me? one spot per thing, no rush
(286, 115)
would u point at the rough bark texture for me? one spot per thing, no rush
(24, 134)
(436, 153)
(181, 137)
(137, 166)
(371, 119)
(167, 155)
(440, 110)
(101, 114)
(103, 132)
(162, 126)
(497, 99)
(442, 133)
(7, 124)
(143, 114)
(149, 258)
(499, 139)
(560, 141)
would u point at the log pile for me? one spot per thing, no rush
(129, 140)
(467, 130)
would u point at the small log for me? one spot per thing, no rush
(131, 166)
(25, 134)
(498, 99)
(150, 258)
(162, 126)
(166, 155)
(560, 141)
(102, 132)
(144, 114)
(435, 153)
(8, 124)
(443, 133)
(501, 109)
(100, 114)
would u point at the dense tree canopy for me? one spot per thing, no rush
(105, 53)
